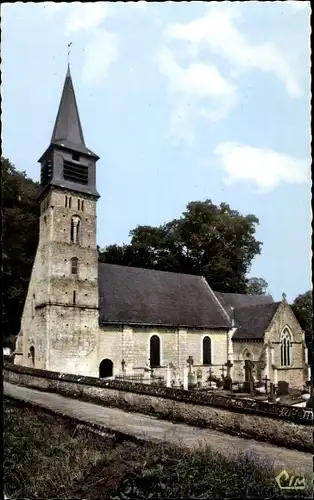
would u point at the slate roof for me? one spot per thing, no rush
(237, 300)
(130, 295)
(252, 321)
(68, 129)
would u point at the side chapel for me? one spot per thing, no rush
(89, 318)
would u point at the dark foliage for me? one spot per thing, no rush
(20, 212)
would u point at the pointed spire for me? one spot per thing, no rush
(68, 129)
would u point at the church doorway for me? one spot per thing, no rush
(106, 368)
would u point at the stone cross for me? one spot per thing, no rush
(229, 365)
(222, 371)
(266, 380)
(123, 366)
(190, 362)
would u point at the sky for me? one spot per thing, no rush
(182, 102)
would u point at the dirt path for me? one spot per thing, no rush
(151, 429)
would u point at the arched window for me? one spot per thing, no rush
(285, 348)
(74, 265)
(75, 229)
(154, 355)
(207, 351)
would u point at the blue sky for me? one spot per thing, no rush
(182, 102)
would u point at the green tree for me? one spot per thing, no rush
(257, 286)
(209, 240)
(303, 310)
(20, 213)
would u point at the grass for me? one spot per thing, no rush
(49, 457)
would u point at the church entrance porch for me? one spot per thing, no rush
(106, 368)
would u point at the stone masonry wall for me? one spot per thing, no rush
(60, 317)
(296, 373)
(285, 426)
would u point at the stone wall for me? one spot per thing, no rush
(281, 425)
(296, 373)
(60, 317)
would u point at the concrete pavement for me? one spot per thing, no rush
(155, 430)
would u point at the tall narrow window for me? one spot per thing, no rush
(75, 229)
(70, 201)
(33, 306)
(154, 351)
(74, 265)
(74, 297)
(79, 204)
(207, 351)
(82, 205)
(285, 348)
(66, 202)
(32, 355)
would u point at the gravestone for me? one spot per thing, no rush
(248, 385)
(283, 388)
(273, 393)
(227, 384)
(266, 380)
(190, 362)
(199, 376)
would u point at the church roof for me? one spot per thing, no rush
(237, 300)
(252, 321)
(67, 130)
(252, 313)
(134, 296)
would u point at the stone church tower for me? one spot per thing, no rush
(59, 326)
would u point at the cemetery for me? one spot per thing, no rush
(199, 378)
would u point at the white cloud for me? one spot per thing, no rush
(197, 90)
(263, 168)
(84, 17)
(299, 4)
(217, 32)
(197, 85)
(53, 7)
(139, 5)
(102, 49)
(100, 53)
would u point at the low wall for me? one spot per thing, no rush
(282, 425)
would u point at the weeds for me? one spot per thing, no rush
(47, 457)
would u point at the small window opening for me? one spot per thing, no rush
(82, 206)
(70, 201)
(79, 204)
(74, 265)
(66, 202)
(75, 157)
(75, 229)
(74, 297)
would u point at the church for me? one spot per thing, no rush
(89, 318)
